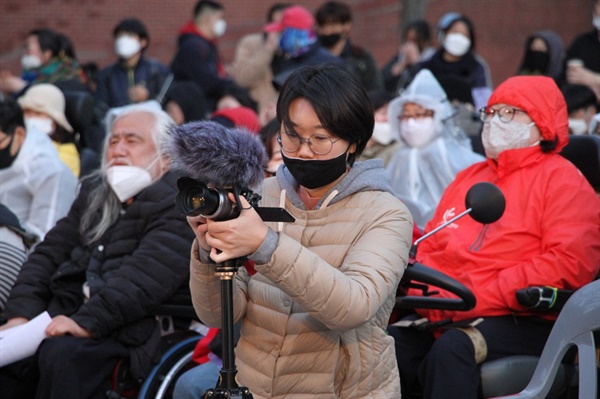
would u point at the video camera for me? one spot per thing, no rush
(195, 198)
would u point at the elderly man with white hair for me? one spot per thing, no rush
(101, 273)
(436, 148)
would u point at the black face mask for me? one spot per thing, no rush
(316, 173)
(6, 159)
(536, 61)
(329, 41)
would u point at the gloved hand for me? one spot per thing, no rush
(541, 298)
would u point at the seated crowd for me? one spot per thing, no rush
(90, 233)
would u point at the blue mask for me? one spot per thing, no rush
(296, 42)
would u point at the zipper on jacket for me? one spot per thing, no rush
(476, 246)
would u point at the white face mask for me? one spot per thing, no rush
(578, 126)
(43, 125)
(219, 27)
(596, 22)
(126, 181)
(418, 132)
(382, 133)
(498, 136)
(30, 61)
(127, 46)
(457, 44)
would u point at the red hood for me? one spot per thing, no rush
(542, 100)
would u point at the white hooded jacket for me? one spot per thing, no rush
(419, 176)
(38, 187)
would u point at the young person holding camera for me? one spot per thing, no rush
(315, 312)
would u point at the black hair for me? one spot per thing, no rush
(421, 28)
(11, 116)
(65, 45)
(48, 40)
(333, 12)
(341, 104)
(548, 145)
(267, 132)
(379, 98)
(132, 25)
(90, 70)
(275, 8)
(577, 96)
(470, 26)
(203, 5)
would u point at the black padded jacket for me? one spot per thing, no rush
(140, 262)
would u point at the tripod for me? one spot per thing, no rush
(227, 387)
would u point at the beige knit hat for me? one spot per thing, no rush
(48, 99)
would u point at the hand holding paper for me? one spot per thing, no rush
(22, 341)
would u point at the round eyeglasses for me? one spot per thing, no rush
(419, 116)
(320, 144)
(506, 113)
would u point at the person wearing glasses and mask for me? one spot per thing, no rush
(549, 235)
(315, 312)
(435, 149)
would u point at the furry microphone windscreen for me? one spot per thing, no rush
(217, 155)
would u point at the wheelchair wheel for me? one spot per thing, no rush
(161, 381)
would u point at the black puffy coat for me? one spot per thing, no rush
(139, 262)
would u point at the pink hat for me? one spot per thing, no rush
(296, 17)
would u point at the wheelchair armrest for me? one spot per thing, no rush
(178, 305)
(420, 276)
(174, 310)
(543, 298)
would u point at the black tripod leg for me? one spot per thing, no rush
(227, 387)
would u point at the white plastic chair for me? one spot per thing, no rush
(575, 325)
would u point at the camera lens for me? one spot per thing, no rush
(196, 198)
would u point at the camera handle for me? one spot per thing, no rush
(227, 387)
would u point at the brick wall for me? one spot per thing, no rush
(501, 25)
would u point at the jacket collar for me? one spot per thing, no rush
(191, 29)
(512, 160)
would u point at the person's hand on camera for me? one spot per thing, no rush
(237, 237)
(199, 227)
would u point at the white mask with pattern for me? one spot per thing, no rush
(498, 136)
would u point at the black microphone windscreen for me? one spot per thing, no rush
(217, 155)
(486, 202)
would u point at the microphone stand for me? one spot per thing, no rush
(227, 387)
(413, 249)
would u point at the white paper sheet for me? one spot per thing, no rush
(22, 341)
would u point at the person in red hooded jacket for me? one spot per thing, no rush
(549, 235)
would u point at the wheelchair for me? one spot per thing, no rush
(527, 377)
(178, 342)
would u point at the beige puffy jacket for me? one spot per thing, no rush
(315, 316)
